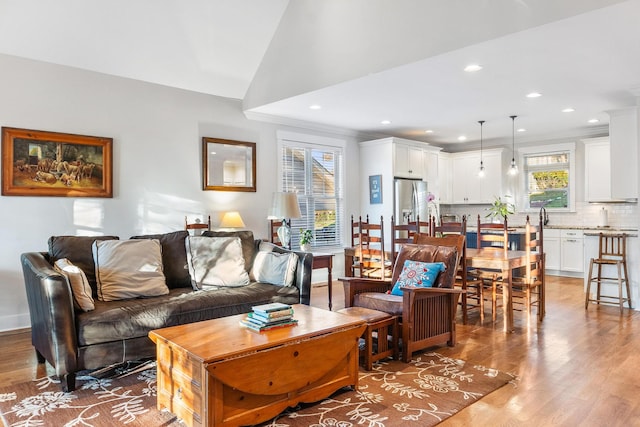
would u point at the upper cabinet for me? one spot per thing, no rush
(466, 186)
(610, 163)
(407, 161)
(597, 169)
(623, 145)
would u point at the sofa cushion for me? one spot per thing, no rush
(174, 257)
(275, 268)
(78, 282)
(127, 319)
(417, 273)
(247, 240)
(216, 262)
(77, 249)
(128, 269)
(429, 253)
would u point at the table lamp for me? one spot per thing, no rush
(284, 206)
(232, 219)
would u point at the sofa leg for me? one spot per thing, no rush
(68, 382)
(40, 357)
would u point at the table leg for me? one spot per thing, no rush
(330, 286)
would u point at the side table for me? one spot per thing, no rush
(324, 260)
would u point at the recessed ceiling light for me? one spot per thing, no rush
(521, 130)
(472, 68)
(568, 110)
(428, 131)
(315, 107)
(462, 138)
(385, 122)
(593, 120)
(534, 95)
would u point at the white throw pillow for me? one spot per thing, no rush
(128, 269)
(215, 262)
(275, 268)
(80, 288)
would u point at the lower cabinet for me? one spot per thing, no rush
(565, 250)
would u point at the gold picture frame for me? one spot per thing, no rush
(41, 163)
(228, 165)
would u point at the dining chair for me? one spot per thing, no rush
(490, 236)
(197, 226)
(427, 314)
(370, 259)
(400, 235)
(530, 283)
(472, 298)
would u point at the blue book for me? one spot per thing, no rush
(270, 307)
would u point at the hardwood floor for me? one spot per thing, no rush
(577, 367)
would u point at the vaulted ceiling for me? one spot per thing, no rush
(361, 61)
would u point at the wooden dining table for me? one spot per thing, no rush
(506, 262)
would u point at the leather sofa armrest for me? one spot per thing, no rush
(53, 329)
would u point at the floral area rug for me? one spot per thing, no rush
(423, 393)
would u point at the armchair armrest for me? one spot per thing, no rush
(356, 285)
(53, 328)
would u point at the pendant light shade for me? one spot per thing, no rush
(481, 170)
(513, 169)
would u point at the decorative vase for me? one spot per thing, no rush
(305, 247)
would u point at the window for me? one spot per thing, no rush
(312, 168)
(549, 176)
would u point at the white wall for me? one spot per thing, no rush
(157, 133)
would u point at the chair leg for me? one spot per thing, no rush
(589, 279)
(626, 281)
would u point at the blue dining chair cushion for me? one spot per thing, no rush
(419, 274)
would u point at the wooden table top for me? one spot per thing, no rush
(224, 337)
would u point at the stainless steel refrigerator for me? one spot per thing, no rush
(409, 200)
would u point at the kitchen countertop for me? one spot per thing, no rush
(587, 230)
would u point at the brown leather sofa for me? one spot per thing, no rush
(116, 331)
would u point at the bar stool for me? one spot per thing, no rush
(612, 251)
(378, 325)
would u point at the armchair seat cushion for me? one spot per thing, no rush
(388, 303)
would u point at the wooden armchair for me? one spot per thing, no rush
(427, 315)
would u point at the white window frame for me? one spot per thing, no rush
(540, 150)
(301, 140)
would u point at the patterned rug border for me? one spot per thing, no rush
(424, 392)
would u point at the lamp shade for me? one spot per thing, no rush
(284, 205)
(232, 220)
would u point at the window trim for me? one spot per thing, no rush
(539, 150)
(302, 140)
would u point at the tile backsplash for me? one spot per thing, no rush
(587, 214)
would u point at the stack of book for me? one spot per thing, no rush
(269, 316)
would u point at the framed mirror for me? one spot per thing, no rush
(228, 165)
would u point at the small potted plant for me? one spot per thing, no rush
(500, 209)
(306, 237)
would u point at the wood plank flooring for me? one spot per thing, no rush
(577, 367)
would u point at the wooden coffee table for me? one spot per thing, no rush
(218, 373)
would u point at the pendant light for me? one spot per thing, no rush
(481, 171)
(513, 170)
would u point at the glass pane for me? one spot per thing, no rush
(325, 225)
(323, 173)
(549, 188)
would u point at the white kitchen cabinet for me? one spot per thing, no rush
(564, 249)
(444, 178)
(552, 249)
(467, 187)
(408, 161)
(597, 169)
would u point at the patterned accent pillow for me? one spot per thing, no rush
(419, 274)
